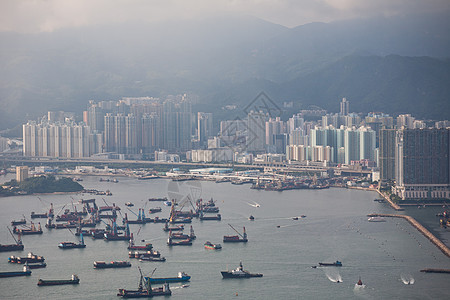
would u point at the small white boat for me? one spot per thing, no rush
(376, 219)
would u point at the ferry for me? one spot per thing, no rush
(239, 272)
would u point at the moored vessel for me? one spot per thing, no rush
(111, 265)
(30, 258)
(376, 219)
(182, 277)
(186, 242)
(240, 238)
(12, 247)
(145, 290)
(72, 245)
(73, 280)
(26, 272)
(209, 245)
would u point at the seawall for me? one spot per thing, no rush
(422, 230)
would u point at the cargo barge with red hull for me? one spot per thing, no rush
(240, 238)
(186, 242)
(28, 231)
(111, 265)
(18, 246)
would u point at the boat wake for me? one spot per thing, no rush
(407, 279)
(333, 276)
(179, 287)
(254, 204)
(359, 287)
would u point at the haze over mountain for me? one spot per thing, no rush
(394, 65)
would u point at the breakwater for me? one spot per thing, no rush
(421, 229)
(391, 203)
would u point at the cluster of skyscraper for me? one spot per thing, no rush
(57, 139)
(414, 157)
(132, 126)
(417, 161)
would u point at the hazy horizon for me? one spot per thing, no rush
(47, 16)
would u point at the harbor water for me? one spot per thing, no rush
(385, 255)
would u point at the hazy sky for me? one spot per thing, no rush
(49, 15)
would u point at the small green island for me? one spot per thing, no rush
(40, 184)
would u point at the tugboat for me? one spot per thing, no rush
(239, 272)
(73, 280)
(334, 264)
(30, 258)
(111, 265)
(182, 277)
(71, 245)
(145, 290)
(235, 238)
(26, 272)
(12, 247)
(211, 246)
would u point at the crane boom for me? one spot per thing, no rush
(236, 230)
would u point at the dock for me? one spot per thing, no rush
(421, 229)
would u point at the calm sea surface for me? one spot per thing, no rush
(283, 249)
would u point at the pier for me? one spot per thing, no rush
(419, 227)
